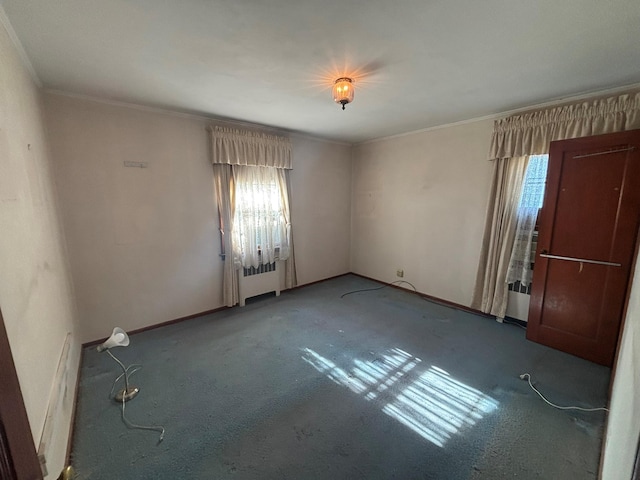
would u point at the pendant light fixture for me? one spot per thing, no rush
(343, 91)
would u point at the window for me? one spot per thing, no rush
(535, 180)
(530, 204)
(260, 232)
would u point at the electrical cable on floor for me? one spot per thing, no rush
(125, 420)
(419, 294)
(513, 323)
(380, 288)
(528, 378)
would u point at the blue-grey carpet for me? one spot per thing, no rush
(376, 385)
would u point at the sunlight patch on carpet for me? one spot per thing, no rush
(433, 404)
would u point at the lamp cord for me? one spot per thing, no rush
(527, 377)
(126, 374)
(124, 370)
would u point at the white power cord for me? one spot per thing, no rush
(526, 376)
(126, 374)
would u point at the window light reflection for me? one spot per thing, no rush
(434, 405)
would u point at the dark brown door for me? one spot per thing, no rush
(588, 228)
(18, 458)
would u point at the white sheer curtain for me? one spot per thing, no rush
(527, 214)
(261, 232)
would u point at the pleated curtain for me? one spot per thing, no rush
(290, 275)
(225, 196)
(243, 147)
(491, 291)
(232, 152)
(514, 139)
(532, 133)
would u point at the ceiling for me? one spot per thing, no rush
(417, 63)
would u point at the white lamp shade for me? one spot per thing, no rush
(118, 338)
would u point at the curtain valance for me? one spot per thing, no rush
(242, 147)
(531, 133)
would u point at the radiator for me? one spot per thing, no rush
(256, 281)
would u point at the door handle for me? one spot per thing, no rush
(581, 260)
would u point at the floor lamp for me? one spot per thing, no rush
(119, 338)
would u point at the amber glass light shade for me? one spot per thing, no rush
(343, 91)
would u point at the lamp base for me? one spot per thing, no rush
(125, 395)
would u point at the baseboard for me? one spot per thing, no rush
(72, 423)
(201, 314)
(431, 298)
(158, 325)
(319, 281)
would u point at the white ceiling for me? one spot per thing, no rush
(417, 63)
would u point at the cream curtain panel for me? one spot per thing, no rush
(240, 155)
(240, 147)
(491, 292)
(225, 196)
(290, 275)
(531, 133)
(514, 139)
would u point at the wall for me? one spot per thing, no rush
(144, 243)
(321, 211)
(419, 204)
(623, 427)
(35, 289)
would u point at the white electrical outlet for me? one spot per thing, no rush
(400, 273)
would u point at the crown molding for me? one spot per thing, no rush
(24, 58)
(292, 133)
(192, 116)
(592, 94)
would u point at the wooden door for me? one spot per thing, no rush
(588, 228)
(18, 458)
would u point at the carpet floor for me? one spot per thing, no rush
(376, 385)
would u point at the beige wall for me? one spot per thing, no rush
(321, 210)
(419, 204)
(144, 243)
(35, 288)
(623, 427)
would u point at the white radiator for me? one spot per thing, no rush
(256, 281)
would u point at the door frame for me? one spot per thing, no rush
(13, 416)
(614, 369)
